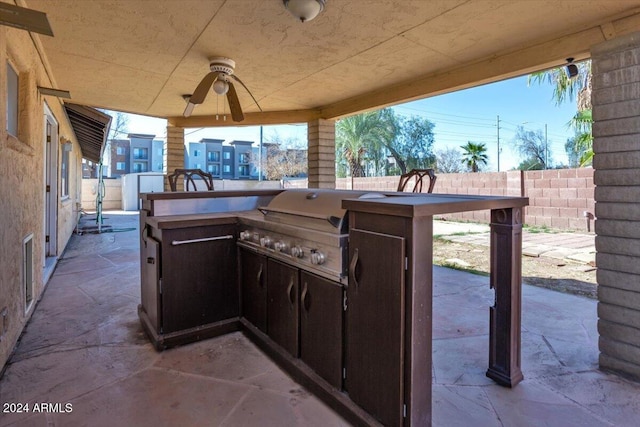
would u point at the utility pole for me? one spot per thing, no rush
(498, 127)
(546, 148)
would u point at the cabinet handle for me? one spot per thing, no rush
(303, 296)
(292, 300)
(259, 276)
(205, 239)
(352, 268)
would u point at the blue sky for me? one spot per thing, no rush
(459, 117)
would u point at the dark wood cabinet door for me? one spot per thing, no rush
(253, 284)
(199, 283)
(150, 262)
(321, 315)
(282, 306)
(375, 324)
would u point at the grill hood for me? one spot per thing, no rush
(315, 209)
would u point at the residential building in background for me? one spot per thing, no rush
(143, 153)
(233, 160)
(137, 153)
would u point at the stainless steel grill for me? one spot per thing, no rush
(307, 228)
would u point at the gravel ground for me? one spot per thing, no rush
(560, 275)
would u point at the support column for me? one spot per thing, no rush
(322, 153)
(173, 152)
(506, 280)
(616, 132)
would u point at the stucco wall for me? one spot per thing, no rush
(22, 190)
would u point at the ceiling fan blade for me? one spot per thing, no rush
(234, 104)
(189, 109)
(236, 78)
(202, 90)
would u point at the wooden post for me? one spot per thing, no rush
(506, 279)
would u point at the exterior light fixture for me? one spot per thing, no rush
(25, 19)
(572, 69)
(54, 92)
(304, 10)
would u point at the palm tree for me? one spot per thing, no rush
(578, 88)
(358, 135)
(474, 155)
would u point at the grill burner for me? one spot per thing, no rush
(307, 228)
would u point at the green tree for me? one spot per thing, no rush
(568, 89)
(411, 147)
(531, 164)
(474, 154)
(358, 138)
(582, 123)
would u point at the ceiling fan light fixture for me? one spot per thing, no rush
(304, 10)
(220, 86)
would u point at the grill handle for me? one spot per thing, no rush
(352, 269)
(333, 220)
(205, 239)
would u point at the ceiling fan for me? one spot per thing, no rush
(219, 78)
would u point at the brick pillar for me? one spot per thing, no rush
(173, 152)
(616, 131)
(322, 153)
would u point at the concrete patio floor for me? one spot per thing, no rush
(85, 347)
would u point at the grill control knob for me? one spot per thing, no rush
(245, 235)
(280, 246)
(266, 241)
(297, 252)
(317, 258)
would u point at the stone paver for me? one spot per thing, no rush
(84, 346)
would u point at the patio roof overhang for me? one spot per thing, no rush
(142, 57)
(91, 128)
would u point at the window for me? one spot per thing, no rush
(139, 153)
(139, 166)
(227, 155)
(213, 156)
(198, 166)
(243, 170)
(120, 166)
(64, 171)
(12, 100)
(213, 169)
(120, 151)
(244, 158)
(196, 153)
(227, 168)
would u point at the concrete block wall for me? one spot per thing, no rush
(557, 198)
(322, 153)
(616, 131)
(173, 152)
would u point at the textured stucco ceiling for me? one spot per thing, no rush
(140, 56)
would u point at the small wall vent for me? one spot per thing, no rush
(27, 271)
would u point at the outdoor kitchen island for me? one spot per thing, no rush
(375, 314)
